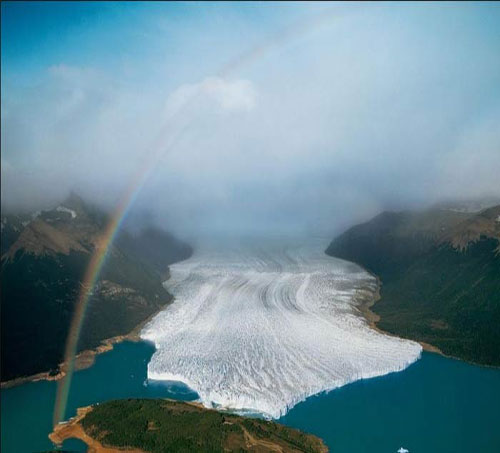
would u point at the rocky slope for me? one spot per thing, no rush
(440, 273)
(44, 258)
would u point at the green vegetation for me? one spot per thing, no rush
(40, 284)
(39, 294)
(164, 425)
(431, 290)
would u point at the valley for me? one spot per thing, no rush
(258, 327)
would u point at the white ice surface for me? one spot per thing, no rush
(261, 330)
(69, 211)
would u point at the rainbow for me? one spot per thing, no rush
(102, 245)
(104, 242)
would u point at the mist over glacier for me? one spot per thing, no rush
(259, 329)
(331, 114)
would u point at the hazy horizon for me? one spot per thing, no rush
(277, 118)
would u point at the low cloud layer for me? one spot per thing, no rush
(378, 108)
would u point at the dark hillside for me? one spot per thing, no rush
(440, 277)
(155, 247)
(41, 277)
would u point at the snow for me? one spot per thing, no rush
(261, 330)
(69, 211)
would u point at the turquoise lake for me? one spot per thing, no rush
(436, 405)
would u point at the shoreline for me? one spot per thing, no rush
(251, 438)
(373, 318)
(85, 359)
(72, 429)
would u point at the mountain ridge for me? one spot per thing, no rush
(440, 275)
(42, 270)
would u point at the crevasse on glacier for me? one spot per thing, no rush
(260, 330)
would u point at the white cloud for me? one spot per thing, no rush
(226, 96)
(472, 166)
(369, 113)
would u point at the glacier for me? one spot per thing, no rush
(259, 329)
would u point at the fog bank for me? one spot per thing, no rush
(369, 108)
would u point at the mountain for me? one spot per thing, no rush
(156, 247)
(44, 259)
(11, 227)
(440, 274)
(175, 426)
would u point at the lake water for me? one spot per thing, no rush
(120, 373)
(435, 405)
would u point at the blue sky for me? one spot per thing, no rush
(109, 34)
(350, 108)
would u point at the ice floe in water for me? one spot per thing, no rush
(259, 330)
